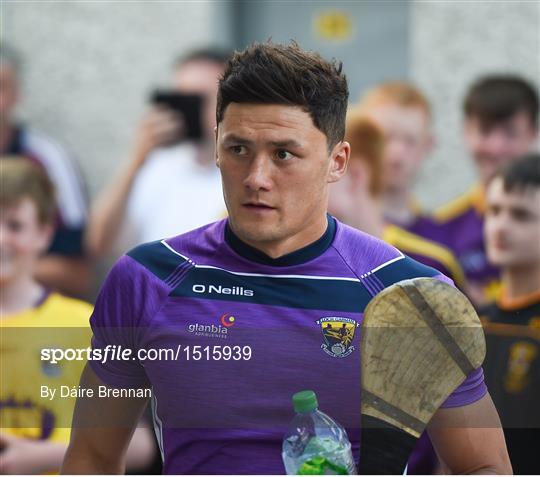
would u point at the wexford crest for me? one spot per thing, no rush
(338, 335)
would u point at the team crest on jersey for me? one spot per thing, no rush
(338, 333)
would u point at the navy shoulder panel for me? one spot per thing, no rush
(157, 257)
(404, 269)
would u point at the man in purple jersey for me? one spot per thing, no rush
(501, 125)
(241, 305)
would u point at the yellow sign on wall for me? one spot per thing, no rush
(333, 25)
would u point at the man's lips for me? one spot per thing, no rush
(257, 206)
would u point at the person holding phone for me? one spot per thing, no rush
(170, 181)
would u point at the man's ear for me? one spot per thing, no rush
(339, 159)
(215, 146)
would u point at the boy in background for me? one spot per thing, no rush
(404, 115)
(34, 429)
(512, 324)
(501, 125)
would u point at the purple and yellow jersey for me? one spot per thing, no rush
(423, 224)
(462, 230)
(426, 252)
(249, 331)
(56, 322)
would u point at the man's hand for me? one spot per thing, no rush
(28, 456)
(160, 126)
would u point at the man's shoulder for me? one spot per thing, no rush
(164, 258)
(460, 208)
(375, 260)
(426, 251)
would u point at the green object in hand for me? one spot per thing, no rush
(320, 466)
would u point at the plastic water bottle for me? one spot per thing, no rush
(315, 444)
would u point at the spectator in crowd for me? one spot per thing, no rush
(35, 430)
(512, 324)
(64, 267)
(167, 186)
(404, 115)
(357, 199)
(501, 124)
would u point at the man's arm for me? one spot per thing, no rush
(101, 431)
(159, 127)
(469, 439)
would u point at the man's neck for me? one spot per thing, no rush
(521, 281)
(19, 295)
(397, 206)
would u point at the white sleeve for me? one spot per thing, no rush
(71, 193)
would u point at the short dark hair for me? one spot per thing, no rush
(494, 99)
(268, 73)
(211, 54)
(522, 173)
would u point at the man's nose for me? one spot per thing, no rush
(259, 173)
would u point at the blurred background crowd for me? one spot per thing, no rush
(107, 113)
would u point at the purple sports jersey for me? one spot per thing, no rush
(462, 230)
(292, 323)
(425, 227)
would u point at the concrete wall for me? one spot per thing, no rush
(452, 43)
(90, 66)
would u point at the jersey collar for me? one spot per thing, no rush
(303, 255)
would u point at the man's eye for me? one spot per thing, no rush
(239, 150)
(284, 155)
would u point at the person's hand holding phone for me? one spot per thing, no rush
(160, 126)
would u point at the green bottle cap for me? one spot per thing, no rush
(305, 401)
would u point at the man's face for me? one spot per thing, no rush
(8, 92)
(22, 240)
(201, 77)
(497, 144)
(512, 225)
(408, 141)
(275, 168)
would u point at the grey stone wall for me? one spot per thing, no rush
(452, 43)
(89, 68)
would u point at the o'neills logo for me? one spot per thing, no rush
(241, 291)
